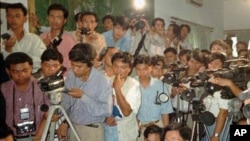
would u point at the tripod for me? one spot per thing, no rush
(55, 98)
(196, 127)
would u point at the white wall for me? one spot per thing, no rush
(209, 14)
(236, 14)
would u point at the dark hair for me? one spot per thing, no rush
(205, 52)
(83, 52)
(156, 59)
(125, 57)
(170, 49)
(56, 6)
(217, 55)
(183, 129)
(176, 29)
(52, 54)
(158, 19)
(90, 13)
(243, 50)
(187, 26)
(152, 129)
(123, 21)
(186, 52)
(78, 16)
(5, 131)
(142, 59)
(197, 55)
(241, 42)
(17, 58)
(17, 6)
(104, 52)
(112, 18)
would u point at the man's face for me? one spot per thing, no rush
(240, 47)
(184, 32)
(170, 33)
(121, 68)
(15, 18)
(80, 69)
(159, 27)
(153, 137)
(88, 21)
(194, 64)
(108, 24)
(173, 135)
(183, 59)
(50, 67)
(109, 55)
(157, 70)
(143, 71)
(118, 32)
(20, 73)
(56, 19)
(215, 64)
(170, 58)
(217, 48)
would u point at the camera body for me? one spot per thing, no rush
(54, 85)
(85, 31)
(173, 77)
(6, 36)
(25, 127)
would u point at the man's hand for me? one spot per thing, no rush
(9, 44)
(92, 35)
(54, 117)
(118, 82)
(110, 121)
(76, 93)
(220, 81)
(62, 130)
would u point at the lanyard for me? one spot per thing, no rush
(14, 96)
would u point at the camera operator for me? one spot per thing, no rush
(139, 31)
(89, 100)
(88, 33)
(56, 38)
(214, 103)
(23, 97)
(155, 96)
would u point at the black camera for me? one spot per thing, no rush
(53, 82)
(173, 77)
(161, 98)
(85, 31)
(25, 127)
(5, 36)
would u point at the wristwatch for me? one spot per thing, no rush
(216, 134)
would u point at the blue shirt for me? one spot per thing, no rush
(148, 99)
(95, 104)
(123, 44)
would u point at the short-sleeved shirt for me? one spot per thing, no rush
(149, 96)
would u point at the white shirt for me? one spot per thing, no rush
(30, 44)
(214, 103)
(127, 126)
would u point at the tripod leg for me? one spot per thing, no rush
(207, 134)
(46, 128)
(193, 131)
(70, 123)
(52, 131)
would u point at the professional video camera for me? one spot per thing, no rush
(240, 75)
(173, 77)
(54, 85)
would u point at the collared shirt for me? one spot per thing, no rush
(31, 98)
(149, 96)
(131, 92)
(64, 47)
(214, 103)
(98, 43)
(95, 104)
(135, 40)
(122, 44)
(30, 44)
(157, 45)
(185, 45)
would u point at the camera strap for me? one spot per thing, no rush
(140, 45)
(34, 107)
(57, 40)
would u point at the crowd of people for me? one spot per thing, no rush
(125, 84)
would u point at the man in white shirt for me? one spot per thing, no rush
(21, 40)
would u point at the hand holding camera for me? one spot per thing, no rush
(76, 92)
(9, 41)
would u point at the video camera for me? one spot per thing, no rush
(240, 75)
(173, 77)
(54, 85)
